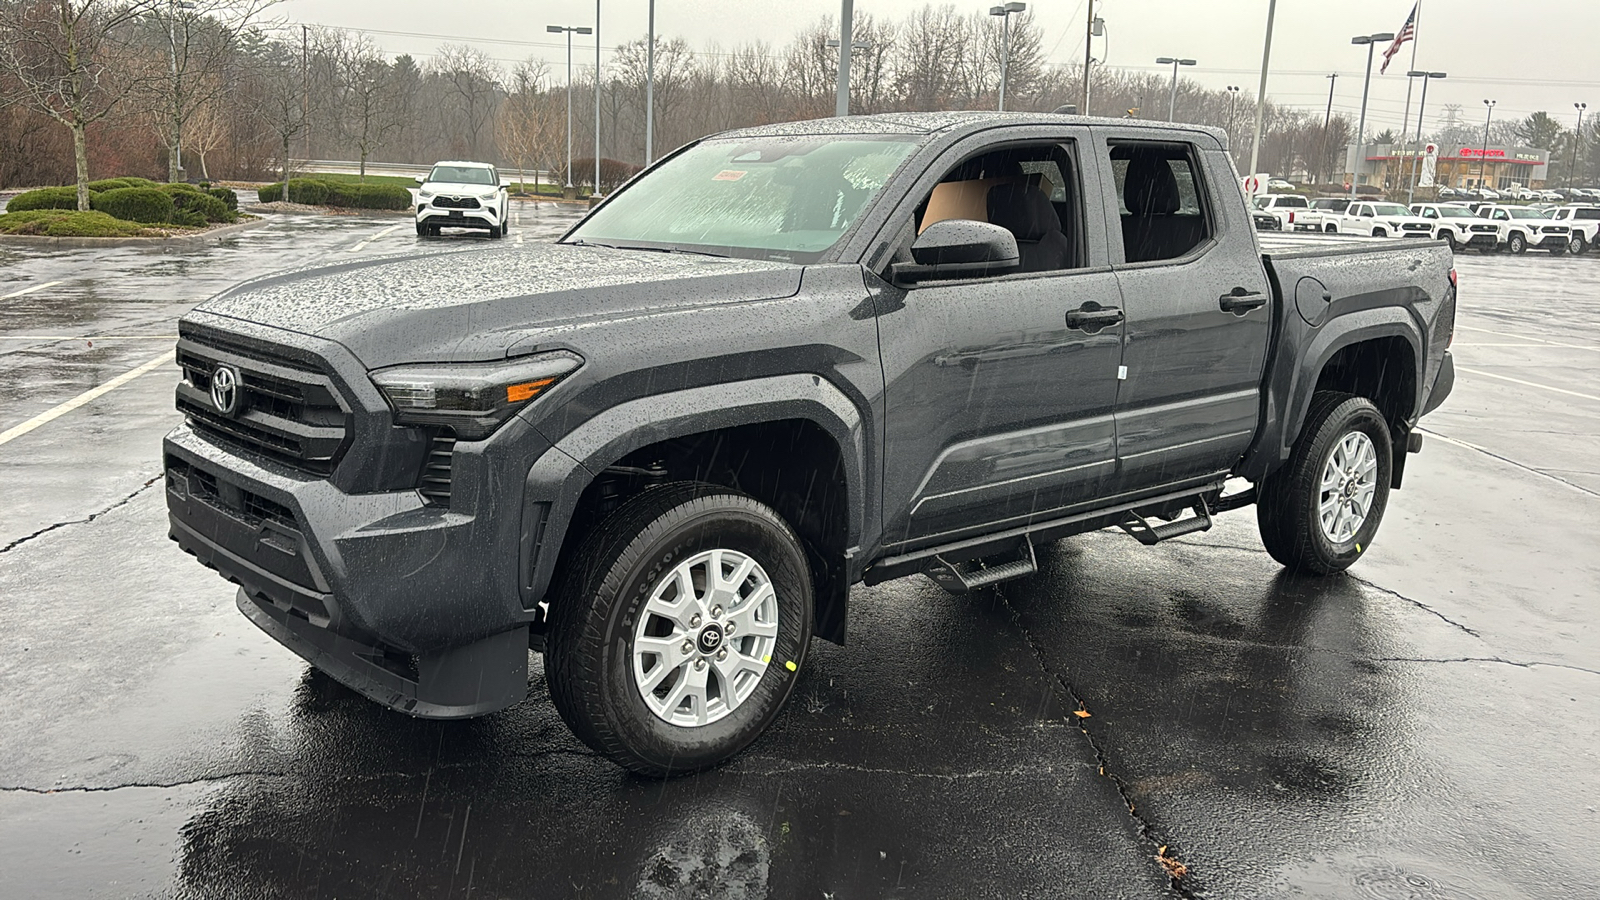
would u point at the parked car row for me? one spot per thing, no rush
(1522, 194)
(1484, 226)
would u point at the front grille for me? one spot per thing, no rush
(434, 485)
(1416, 226)
(1483, 228)
(246, 506)
(1555, 229)
(285, 410)
(455, 202)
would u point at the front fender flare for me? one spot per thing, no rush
(558, 478)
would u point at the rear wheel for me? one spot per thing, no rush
(1331, 228)
(1516, 243)
(1320, 511)
(679, 628)
(1379, 232)
(1578, 245)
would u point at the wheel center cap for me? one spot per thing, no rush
(710, 640)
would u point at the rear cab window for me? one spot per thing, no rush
(1160, 197)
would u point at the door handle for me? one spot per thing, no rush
(1240, 301)
(1091, 317)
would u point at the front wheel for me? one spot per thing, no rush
(1449, 240)
(679, 628)
(422, 230)
(1319, 512)
(1558, 249)
(1516, 243)
(1331, 228)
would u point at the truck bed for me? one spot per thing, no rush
(1298, 244)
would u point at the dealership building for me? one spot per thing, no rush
(1457, 166)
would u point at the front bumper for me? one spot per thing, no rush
(417, 607)
(1549, 241)
(482, 217)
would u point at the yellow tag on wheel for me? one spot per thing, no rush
(790, 665)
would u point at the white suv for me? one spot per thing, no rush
(1383, 220)
(1584, 221)
(462, 195)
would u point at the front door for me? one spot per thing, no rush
(1198, 311)
(998, 409)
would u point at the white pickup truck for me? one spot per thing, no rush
(1285, 207)
(1457, 226)
(1382, 220)
(1584, 222)
(1323, 215)
(1519, 227)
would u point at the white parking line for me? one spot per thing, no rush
(519, 237)
(37, 287)
(88, 337)
(389, 230)
(49, 415)
(1524, 337)
(1533, 384)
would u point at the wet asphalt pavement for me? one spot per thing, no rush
(1423, 727)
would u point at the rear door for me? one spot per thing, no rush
(1198, 308)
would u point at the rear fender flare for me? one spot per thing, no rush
(558, 478)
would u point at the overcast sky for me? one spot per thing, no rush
(1526, 56)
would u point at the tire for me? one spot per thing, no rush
(1449, 241)
(505, 226)
(1516, 243)
(422, 230)
(1379, 232)
(495, 233)
(1331, 228)
(1578, 246)
(1290, 511)
(609, 599)
(1558, 250)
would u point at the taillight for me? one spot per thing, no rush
(1291, 217)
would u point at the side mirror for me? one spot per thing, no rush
(959, 248)
(422, 179)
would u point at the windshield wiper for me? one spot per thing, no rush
(583, 243)
(580, 242)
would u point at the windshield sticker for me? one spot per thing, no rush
(728, 175)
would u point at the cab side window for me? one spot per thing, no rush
(1161, 199)
(1031, 191)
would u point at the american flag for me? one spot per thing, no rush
(1407, 32)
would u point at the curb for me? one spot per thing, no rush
(171, 240)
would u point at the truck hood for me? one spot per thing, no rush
(472, 305)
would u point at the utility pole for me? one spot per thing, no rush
(1577, 138)
(1088, 36)
(847, 17)
(1261, 90)
(596, 98)
(1327, 119)
(305, 101)
(1483, 158)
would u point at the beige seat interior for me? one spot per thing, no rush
(967, 199)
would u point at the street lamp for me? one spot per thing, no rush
(1004, 12)
(1233, 96)
(173, 6)
(1421, 110)
(650, 90)
(1172, 100)
(596, 192)
(570, 31)
(1577, 138)
(1483, 161)
(1371, 41)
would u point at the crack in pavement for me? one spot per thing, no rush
(1146, 830)
(91, 517)
(824, 765)
(1417, 603)
(1534, 664)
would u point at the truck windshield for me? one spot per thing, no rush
(1518, 212)
(1390, 209)
(1455, 212)
(778, 198)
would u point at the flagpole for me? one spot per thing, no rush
(1416, 32)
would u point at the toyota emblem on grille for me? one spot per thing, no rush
(225, 389)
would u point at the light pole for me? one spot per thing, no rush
(833, 44)
(176, 170)
(1371, 41)
(1088, 41)
(1422, 110)
(1483, 160)
(1172, 99)
(1004, 12)
(1233, 97)
(847, 23)
(650, 89)
(596, 191)
(570, 31)
(1577, 138)
(1327, 118)
(1261, 90)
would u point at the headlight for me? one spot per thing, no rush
(425, 194)
(489, 196)
(472, 398)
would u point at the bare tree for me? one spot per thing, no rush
(928, 58)
(72, 62)
(471, 82)
(207, 126)
(371, 107)
(520, 127)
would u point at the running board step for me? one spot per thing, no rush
(965, 576)
(1150, 535)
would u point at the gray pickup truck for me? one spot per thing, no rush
(781, 362)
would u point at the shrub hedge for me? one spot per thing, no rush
(47, 198)
(188, 198)
(66, 223)
(351, 196)
(226, 195)
(135, 204)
